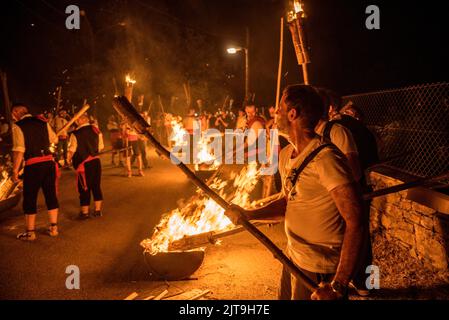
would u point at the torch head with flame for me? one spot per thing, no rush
(129, 80)
(297, 12)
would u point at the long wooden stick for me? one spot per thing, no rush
(268, 182)
(203, 239)
(405, 186)
(6, 100)
(127, 110)
(281, 55)
(74, 118)
(58, 102)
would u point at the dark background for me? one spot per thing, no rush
(164, 43)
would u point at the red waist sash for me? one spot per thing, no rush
(81, 172)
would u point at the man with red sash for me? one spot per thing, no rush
(85, 143)
(32, 137)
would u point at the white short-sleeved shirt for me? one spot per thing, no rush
(313, 224)
(340, 136)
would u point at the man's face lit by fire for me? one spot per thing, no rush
(281, 117)
(250, 111)
(285, 118)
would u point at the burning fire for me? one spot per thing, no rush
(203, 214)
(298, 6)
(178, 133)
(5, 184)
(204, 155)
(297, 12)
(129, 80)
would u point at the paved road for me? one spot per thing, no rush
(107, 249)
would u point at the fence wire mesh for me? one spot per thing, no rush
(412, 121)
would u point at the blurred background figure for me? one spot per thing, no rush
(115, 136)
(63, 137)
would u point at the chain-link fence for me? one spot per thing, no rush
(411, 123)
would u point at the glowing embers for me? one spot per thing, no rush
(179, 134)
(6, 184)
(201, 214)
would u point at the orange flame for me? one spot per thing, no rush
(5, 184)
(129, 80)
(298, 6)
(203, 214)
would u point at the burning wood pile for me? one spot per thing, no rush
(7, 186)
(201, 218)
(9, 190)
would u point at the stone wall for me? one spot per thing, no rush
(420, 230)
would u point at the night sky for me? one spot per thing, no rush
(165, 42)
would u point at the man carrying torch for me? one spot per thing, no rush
(84, 145)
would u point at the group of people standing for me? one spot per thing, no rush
(33, 141)
(322, 170)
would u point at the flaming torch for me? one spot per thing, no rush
(129, 87)
(295, 20)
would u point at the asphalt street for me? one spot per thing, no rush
(107, 251)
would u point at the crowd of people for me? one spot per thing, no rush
(323, 158)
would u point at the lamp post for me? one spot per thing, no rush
(234, 50)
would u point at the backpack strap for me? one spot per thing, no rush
(327, 130)
(297, 171)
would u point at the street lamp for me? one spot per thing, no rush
(234, 50)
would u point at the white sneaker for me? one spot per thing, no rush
(27, 236)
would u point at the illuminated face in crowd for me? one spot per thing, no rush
(250, 111)
(281, 117)
(18, 112)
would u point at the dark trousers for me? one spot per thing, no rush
(292, 288)
(37, 176)
(140, 150)
(93, 183)
(366, 253)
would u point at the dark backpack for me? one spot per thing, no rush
(363, 138)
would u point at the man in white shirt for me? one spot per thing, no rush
(321, 205)
(32, 137)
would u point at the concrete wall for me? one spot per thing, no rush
(421, 230)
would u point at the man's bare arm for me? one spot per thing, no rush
(275, 211)
(17, 162)
(354, 164)
(350, 205)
